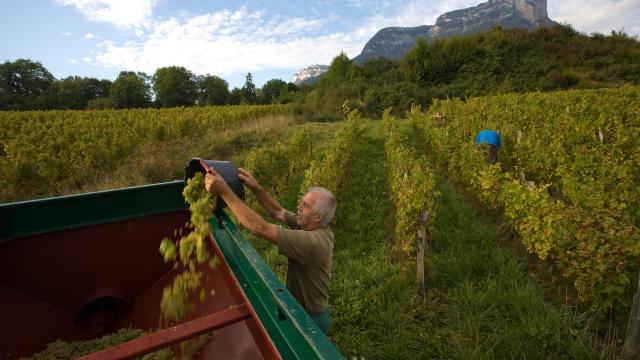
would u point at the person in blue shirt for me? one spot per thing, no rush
(492, 139)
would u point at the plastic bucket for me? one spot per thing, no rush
(226, 169)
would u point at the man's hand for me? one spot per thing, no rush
(248, 179)
(214, 183)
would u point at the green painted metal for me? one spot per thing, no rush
(292, 330)
(68, 212)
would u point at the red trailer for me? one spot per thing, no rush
(76, 267)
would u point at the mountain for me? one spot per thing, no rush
(395, 42)
(309, 75)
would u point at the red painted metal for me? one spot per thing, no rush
(47, 281)
(174, 335)
(256, 330)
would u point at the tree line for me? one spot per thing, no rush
(495, 62)
(28, 85)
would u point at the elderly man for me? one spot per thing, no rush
(308, 244)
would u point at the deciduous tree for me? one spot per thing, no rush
(23, 85)
(212, 90)
(174, 86)
(131, 90)
(273, 89)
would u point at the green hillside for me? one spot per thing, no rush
(496, 62)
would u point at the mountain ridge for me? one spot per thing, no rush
(394, 42)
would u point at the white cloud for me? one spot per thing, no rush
(124, 14)
(237, 41)
(89, 36)
(73, 61)
(416, 13)
(64, 33)
(226, 42)
(601, 16)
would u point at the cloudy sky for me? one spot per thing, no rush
(269, 38)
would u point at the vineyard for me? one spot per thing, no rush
(535, 256)
(567, 178)
(54, 152)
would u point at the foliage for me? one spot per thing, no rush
(412, 186)
(71, 350)
(274, 89)
(249, 90)
(212, 90)
(280, 166)
(480, 302)
(494, 62)
(102, 103)
(236, 97)
(330, 172)
(174, 86)
(48, 153)
(565, 178)
(24, 84)
(131, 90)
(75, 92)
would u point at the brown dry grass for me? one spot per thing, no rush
(165, 160)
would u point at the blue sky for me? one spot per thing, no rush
(269, 38)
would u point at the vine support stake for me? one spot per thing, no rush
(422, 240)
(632, 342)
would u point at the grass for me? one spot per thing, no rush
(490, 307)
(480, 302)
(165, 160)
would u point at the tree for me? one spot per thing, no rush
(236, 97)
(249, 90)
(24, 84)
(174, 86)
(273, 89)
(341, 69)
(131, 90)
(101, 104)
(292, 87)
(212, 90)
(71, 93)
(75, 92)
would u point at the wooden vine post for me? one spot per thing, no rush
(632, 342)
(422, 242)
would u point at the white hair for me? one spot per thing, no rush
(325, 204)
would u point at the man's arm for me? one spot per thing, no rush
(268, 203)
(250, 219)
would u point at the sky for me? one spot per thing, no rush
(269, 38)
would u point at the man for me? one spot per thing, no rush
(308, 244)
(492, 139)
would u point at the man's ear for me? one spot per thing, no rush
(319, 218)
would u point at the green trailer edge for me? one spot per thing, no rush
(291, 329)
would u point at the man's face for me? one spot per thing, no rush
(307, 218)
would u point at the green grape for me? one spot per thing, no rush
(191, 250)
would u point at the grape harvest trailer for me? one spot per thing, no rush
(71, 265)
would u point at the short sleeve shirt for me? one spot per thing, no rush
(309, 271)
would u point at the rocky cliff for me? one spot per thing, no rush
(395, 42)
(309, 75)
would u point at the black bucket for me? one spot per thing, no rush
(226, 169)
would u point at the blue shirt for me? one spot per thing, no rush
(490, 137)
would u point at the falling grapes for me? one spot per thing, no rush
(187, 252)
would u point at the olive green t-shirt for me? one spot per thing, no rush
(309, 270)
